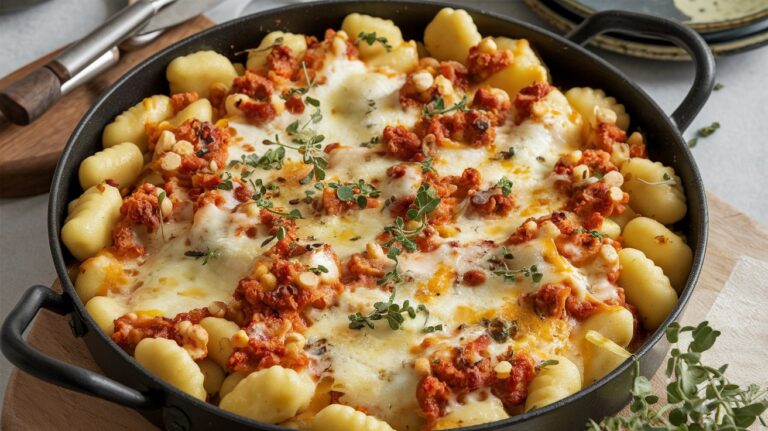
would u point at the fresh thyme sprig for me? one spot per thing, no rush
(261, 198)
(699, 397)
(207, 255)
(372, 38)
(426, 201)
(437, 106)
(514, 274)
(272, 159)
(309, 144)
(359, 192)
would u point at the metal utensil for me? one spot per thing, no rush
(28, 98)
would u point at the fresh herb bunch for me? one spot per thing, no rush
(359, 192)
(206, 255)
(437, 106)
(372, 38)
(699, 396)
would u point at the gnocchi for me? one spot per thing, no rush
(341, 417)
(257, 58)
(473, 413)
(121, 163)
(388, 34)
(88, 227)
(271, 395)
(665, 248)
(553, 383)
(654, 190)
(450, 35)
(646, 287)
(170, 362)
(196, 72)
(130, 126)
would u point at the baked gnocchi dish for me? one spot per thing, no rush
(362, 232)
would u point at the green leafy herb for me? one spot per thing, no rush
(372, 143)
(692, 142)
(393, 275)
(500, 330)
(426, 166)
(505, 185)
(706, 131)
(425, 202)
(428, 329)
(226, 183)
(272, 159)
(319, 269)
(505, 155)
(437, 106)
(546, 363)
(309, 144)
(594, 233)
(206, 255)
(359, 192)
(513, 275)
(699, 397)
(372, 38)
(279, 235)
(301, 91)
(718, 86)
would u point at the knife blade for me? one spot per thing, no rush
(177, 13)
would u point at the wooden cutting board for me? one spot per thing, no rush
(28, 154)
(31, 404)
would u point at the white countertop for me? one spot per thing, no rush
(732, 161)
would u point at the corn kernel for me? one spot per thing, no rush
(170, 162)
(260, 270)
(574, 157)
(635, 139)
(240, 339)
(608, 254)
(421, 367)
(422, 80)
(183, 148)
(213, 166)
(613, 178)
(165, 142)
(444, 86)
(374, 251)
(503, 369)
(268, 281)
(616, 194)
(308, 280)
(487, 46)
(619, 153)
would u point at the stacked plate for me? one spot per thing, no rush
(728, 26)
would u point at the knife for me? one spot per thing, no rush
(26, 99)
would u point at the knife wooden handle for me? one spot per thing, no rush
(28, 98)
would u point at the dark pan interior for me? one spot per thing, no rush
(569, 65)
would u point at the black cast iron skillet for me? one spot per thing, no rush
(131, 385)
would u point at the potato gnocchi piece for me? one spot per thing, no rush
(654, 190)
(214, 375)
(88, 227)
(198, 110)
(616, 325)
(584, 100)
(129, 126)
(646, 287)
(97, 275)
(526, 68)
(553, 383)
(220, 332)
(402, 59)
(356, 23)
(229, 383)
(196, 72)
(603, 357)
(271, 395)
(665, 248)
(450, 34)
(625, 217)
(340, 417)
(473, 413)
(257, 58)
(121, 163)
(104, 310)
(171, 363)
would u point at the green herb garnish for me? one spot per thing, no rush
(699, 397)
(426, 166)
(513, 275)
(505, 185)
(372, 38)
(359, 192)
(206, 255)
(437, 106)
(226, 183)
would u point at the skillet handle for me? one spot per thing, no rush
(28, 359)
(680, 35)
